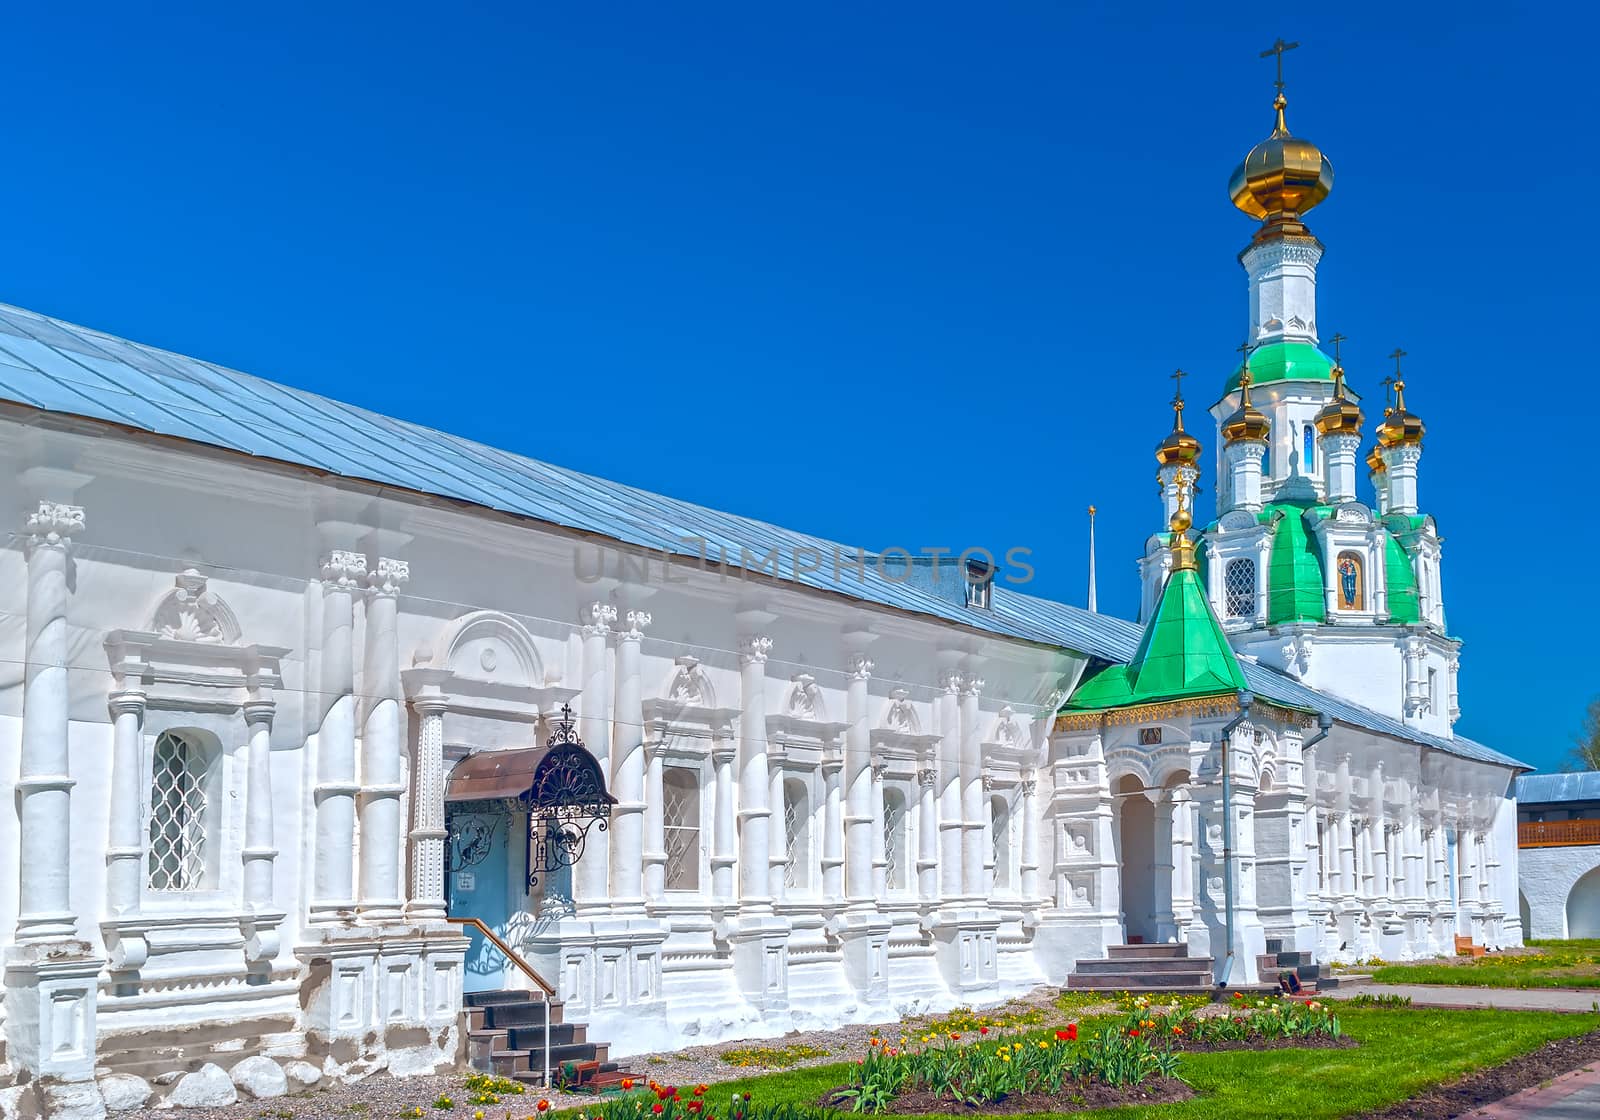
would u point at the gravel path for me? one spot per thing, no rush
(381, 1097)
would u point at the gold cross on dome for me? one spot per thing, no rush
(1177, 376)
(1388, 394)
(1278, 48)
(1337, 340)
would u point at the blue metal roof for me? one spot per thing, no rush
(1540, 789)
(59, 367)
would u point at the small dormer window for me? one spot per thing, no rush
(980, 583)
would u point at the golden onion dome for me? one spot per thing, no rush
(1282, 177)
(1375, 462)
(1179, 448)
(1340, 416)
(1247, 422)
(1399, 427)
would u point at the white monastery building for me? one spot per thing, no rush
(283, 696)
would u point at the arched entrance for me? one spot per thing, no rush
(516, 822)
(1136, 859)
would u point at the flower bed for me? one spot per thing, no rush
(995, 1072)
(1241, 1024)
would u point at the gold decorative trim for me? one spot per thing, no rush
(1201, 707)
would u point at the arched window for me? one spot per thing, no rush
(895, 826)
(1308, 454)
(1350, 590)
(797, 834)
(180, 808)
(1239, 588)
(680, 788)
(1000, 828)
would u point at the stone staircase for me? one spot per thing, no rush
(505, 1036)
(1144, 968)
(1274, 962)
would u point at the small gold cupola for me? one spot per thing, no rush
(1400, 428)
(1340, 416)
(1284, 176)
(1183, 558)
(1247, 422)
(1375, 461)
(1179, 448)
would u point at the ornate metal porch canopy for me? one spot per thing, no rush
(559, 786)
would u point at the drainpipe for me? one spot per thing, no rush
(1245, 701)
(1324, 725)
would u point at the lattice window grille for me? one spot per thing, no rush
(681, 826)
(178, 814)
(793, 852)
(1239, 588)
(894, 817)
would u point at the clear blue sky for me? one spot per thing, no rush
(903, 275)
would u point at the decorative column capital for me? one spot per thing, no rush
(129, 701)
(988, 783)
(52, 525)
(259, 712)
(860, 667)
(1029, 786)
(928, 776)
(754, 648)
(344, 570)
(430, 705)
(971, 685)
(880, 769)
(390, 577)
(635, 623)
(595, 619)
(950, 681)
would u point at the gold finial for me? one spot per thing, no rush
(1399, 427)
(1182, 547)
(1282, 177)
(1091, 511)
(1340, 416)
(1247, 422)
(1179, 447)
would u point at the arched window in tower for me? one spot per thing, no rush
(1308, 455)
(1350, 587)
(1239, 588)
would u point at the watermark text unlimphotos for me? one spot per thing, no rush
(796, 561)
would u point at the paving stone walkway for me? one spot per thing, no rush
(1506, 999)
(1572, 1096)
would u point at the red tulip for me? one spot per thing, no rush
(657, 1108)
(1133, 1034)
(983, 1030)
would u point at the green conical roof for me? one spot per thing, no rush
(1183, 654)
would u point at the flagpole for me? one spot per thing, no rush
(1093, 607)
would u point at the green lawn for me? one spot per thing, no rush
(1402, 1053)
(1559, 964)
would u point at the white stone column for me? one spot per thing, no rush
(655, 856)
(973, 817)
(259, 850)
(950, 790)
(858, 886)
(927, 834)
(427, 812)
(590, 878)
(1030, 836)
(1163, 864)
(1243, 461)
(382, 754)
(755, 812)
(44, 782)
(777, 836)
(333, 862)
(833, 826)
(1340, 452)
(725, 828)
(1401, 468)
(125, 841)
(627, 816)
(1182, 860)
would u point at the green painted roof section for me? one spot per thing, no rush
(1284, 361)
(1183, 654)
(1401, 583)
(1295, 583)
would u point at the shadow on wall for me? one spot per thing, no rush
(1583, 906)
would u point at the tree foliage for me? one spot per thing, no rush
(1586, 743)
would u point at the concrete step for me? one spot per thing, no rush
(1145, 964)
(1141, 981)
(527, 1014)
(1175, 949)
(561, 1034)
